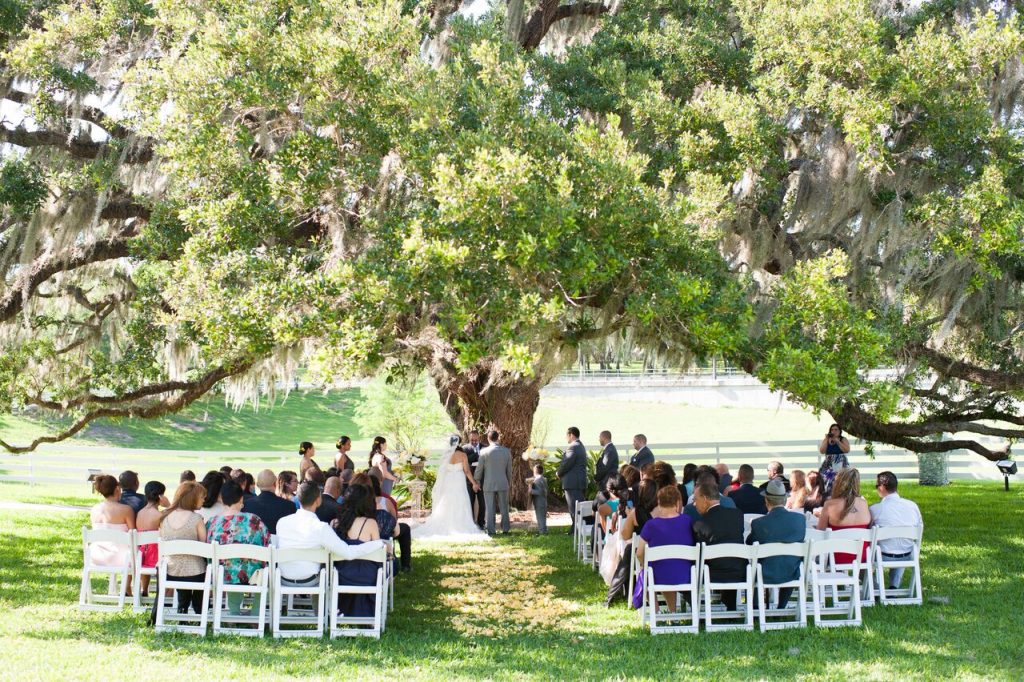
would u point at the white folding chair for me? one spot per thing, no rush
(260, 591)
(822, 577)
(139, 538)
(167, 617)
(912, 594)
(598, 545)
(118, 576)
(678, 612)
(747, 520)
(867, 581)
(344, 625)
(281, 592)
(634, 569)
(744, 588)
(797, 608)
(583, 532)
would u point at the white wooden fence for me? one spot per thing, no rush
(72, 463)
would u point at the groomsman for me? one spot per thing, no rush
(608, 462)
(572, 472)
(643, 455)
(472, 450)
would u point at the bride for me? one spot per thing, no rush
(451, 514)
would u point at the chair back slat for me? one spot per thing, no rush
(286, 555)
(730, 550)
(114, 537)
(772, 549)
(899, 532)
(662, 552)
(243, 551)
(836, 545)
(168, 548)
(379, 555)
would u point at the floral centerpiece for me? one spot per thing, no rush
(536, 455)
(413, 459)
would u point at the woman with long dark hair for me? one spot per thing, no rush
(355, 524)
(379, 460)
(834, 446)
(212, 506)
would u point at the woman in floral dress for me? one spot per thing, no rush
(233, 526)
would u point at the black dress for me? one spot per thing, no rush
(357, 572)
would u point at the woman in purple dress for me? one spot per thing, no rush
(667, 526)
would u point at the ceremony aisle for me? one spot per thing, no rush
(522, 607)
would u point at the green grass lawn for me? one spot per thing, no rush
(523, 608)
(210, 425)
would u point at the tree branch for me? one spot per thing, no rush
(190, 392)
(947, 366)
(29, 279)
(549, 12)
(89, 114)
(79, 146)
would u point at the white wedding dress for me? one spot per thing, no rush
(451, 513)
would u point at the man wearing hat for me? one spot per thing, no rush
(778, 525)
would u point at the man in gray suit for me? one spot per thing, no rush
(493, 472)
(643, 455)
(608, 463)
(572, 472)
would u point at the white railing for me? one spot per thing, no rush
(72, 464)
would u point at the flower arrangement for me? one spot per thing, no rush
(413, 459)
(533, 454)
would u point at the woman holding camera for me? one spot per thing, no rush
(834, 446)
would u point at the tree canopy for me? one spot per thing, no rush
(207, 193)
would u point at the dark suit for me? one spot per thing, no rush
(779, 525)
(328, 509)
(270, 508)
(785, 482)
(721, 525)
(572, 472)
(473, 457)
(749, 500)
(723, 485)
(642, 458)
(133, 500)
(607, 465)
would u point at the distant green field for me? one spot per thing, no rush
(210, 425)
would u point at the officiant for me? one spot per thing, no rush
(472, 450)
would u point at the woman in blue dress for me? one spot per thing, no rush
(356, 524)
(834, 446)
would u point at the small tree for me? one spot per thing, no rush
(405, 411)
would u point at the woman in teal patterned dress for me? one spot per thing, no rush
(234, 526)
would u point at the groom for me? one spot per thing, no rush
(493, 472)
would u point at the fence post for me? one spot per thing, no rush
(31, 469)
(718, 458)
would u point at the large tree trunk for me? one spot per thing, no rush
(476, 399)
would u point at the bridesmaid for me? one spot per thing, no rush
(343, 461)
(379, 460)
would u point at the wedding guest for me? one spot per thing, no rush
(775, 472)
(225, 472)
(894, 510)
(328, 509)
(689, 480)
(778, 525)
(798, 497)
(287, 487)
(631, 474)
(748, 498)
(632, 519)
(724, 477)
(212, 483)
(539, 494)
(616, 492)
(720, 525)
(315, 475)
(148, 520)
(667, 526)
(268, 505)
(643, 455)
(234, 526)
(706, 475)
(245, 481)
(303, 530)
(181, 521)
(815, 491)
(110, 514)
(356, 525)
(187, 475)
(846, 509)
(342, 460)
(387, 520)
(662, 473)
(129, 481)
(307, 452)
(834, 446)
(379, 460)
(345, 478)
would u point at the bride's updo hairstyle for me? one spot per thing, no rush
(454, 440)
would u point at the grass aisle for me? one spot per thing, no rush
(521, 607)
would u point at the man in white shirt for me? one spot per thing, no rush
(893, 510)
(303, 530)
